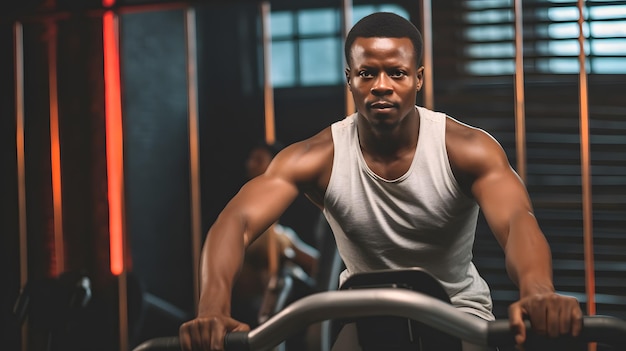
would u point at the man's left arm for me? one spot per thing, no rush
(505, 203)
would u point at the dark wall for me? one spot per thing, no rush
(230, 100)
(9, 240)
(156, 152)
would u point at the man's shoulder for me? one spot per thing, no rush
(320, 143)
(460, 132)
(470, 148)
(307, 159)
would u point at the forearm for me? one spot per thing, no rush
(528, 256)
(258, 204)
(222, 257)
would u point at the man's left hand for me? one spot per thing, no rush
(550, 315)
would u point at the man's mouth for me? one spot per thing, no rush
(381, 105)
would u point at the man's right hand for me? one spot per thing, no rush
(207, 333)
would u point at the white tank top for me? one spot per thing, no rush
(421, 219)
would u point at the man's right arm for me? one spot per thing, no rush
(259, 204)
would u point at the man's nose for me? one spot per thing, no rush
(382, 85)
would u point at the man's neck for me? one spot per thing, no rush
(390, 144)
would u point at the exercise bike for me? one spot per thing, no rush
(402, 310)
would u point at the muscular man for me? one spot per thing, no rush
(401, 186)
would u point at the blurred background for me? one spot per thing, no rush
(125, 126)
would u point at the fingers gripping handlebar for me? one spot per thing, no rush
(390, 302)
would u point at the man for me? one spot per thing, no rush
(401, 187)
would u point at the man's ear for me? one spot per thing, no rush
(420, 78)
(347, 73)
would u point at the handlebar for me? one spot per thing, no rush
(409, 304)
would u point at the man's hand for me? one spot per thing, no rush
(207, 333)
(550, 315)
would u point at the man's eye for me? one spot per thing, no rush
(365, 74)
(397, 74)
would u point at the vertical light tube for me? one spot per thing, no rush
(58, 263)
(18, 51)
(520, 113)
(268, 89)
(114, 141)
(346, 21)
(115, 164)
(586, 169)
(18, 62)
(427, 34)
(194, 148)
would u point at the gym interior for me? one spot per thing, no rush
(125, 125)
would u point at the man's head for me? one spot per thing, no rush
(384, 73)
(384, 25)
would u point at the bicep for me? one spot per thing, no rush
(507, 208)
(502, 198)
(497, 188)
(260, 203)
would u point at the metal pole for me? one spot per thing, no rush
(194, 148)
(21, 162)
(346, 24)
(427, 34)
(268, 89)
(587, 203)
(18, 52)
(520, 114)
(270, 131)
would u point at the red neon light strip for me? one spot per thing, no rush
(114, 139)
(57, 265)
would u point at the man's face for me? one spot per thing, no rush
(384, 79)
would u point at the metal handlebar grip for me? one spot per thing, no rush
(236, 341)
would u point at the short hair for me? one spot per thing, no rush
(384, 25)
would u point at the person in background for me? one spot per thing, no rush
(401, 186)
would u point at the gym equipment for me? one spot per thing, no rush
(392, 294)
